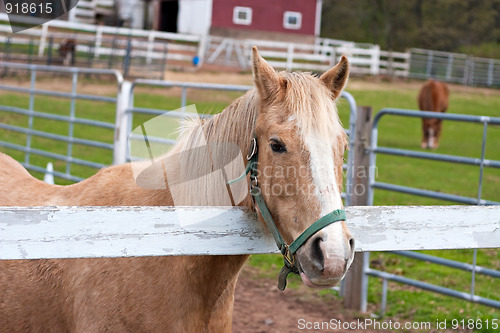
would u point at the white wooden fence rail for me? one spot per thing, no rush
(78, 232)
(181, 47)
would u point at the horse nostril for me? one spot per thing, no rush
(317, 256)
(352, 243)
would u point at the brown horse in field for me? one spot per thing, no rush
(67, 50)
(294, 120)
(433, 96)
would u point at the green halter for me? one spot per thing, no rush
(288, 251)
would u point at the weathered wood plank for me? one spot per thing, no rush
(74, 232)
(128, 231)
(387, 228)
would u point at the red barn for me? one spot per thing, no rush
(267, 19)
(287, 20)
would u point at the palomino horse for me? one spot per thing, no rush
(433, 96)
(294, 121)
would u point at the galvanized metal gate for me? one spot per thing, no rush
(481, 162)
(21, 138)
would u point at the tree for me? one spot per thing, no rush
(448, 25)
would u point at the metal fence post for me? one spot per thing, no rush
(470, 79)
(467, 71)
(449, 67)
(354, 298)
(90, 56)
(49, 53)
(127, 60)
(491, 65)
(30, 51)
(7, 50)
(121, 125)
(111, 56)
(428, 67)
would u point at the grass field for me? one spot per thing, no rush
(463, 139)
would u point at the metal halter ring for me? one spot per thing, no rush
(253, 149)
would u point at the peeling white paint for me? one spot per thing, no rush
(87, 232)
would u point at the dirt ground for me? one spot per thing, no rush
(259, 307)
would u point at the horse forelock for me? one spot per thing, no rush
(313, 108)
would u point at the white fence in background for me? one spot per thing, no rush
(366, 59)
(95, 232)
(104, 41)
(180, 47)
(86, 11)
(291, 56)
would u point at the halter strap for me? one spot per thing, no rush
(288, 251)
(335, 216)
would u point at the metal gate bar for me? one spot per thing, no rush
(431, 287)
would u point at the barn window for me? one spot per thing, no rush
(292, 20)
(242, 15)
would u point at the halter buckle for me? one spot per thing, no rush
(254, 182)
(288, 256)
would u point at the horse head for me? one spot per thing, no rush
(301, 146)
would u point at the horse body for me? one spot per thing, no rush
(433, 96)
(118, 295)
(142, 290)
(190, 293)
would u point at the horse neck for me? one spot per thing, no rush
(211, 287)
(234, 125)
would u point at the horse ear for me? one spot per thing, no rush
(265, 77)
(336, 77)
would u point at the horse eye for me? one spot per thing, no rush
(277, 146)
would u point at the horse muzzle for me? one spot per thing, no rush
(325, 258)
